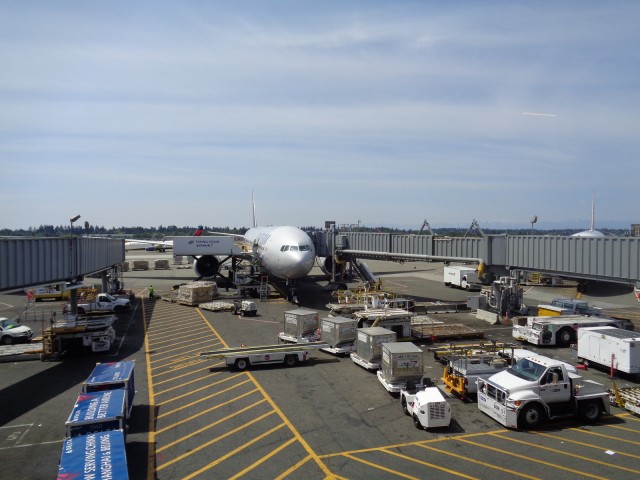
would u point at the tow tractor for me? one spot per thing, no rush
(425, 404)
(242, 358)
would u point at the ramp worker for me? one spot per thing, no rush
(150, 289)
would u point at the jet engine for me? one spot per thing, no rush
(206, 266)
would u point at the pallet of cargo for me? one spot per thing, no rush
(436, 333)
(217, 306)
(444, 353)
(440, 307)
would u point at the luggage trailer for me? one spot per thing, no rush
(244, 357)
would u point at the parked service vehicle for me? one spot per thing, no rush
(12, 332)
(244, 357)
(536, 388)
(426, 405)
(461, 277)
(560, 330)
(461, 373)
(567, 306)
(610, 347)
(103, 303)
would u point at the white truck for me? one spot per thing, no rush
(461, 276)
(610, 347)
(560, 330)
(536, 388)
(244, 357)
(426, 405)
(103, 303)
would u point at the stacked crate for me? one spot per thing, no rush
(196, 293)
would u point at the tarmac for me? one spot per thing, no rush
(326, 418)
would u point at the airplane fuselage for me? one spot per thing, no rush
(283, 251)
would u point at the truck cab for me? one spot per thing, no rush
(536, 388)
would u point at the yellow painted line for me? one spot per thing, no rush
(180, 360)
(208, 410)
(172, 339)
(188, 394)
(567, 454)
(184, 384)
(409, 444)
(629, 416)
(623, 428)
(173, 379)
(427, 464)
(295, 432)
(617, 439)
(583, 444)
(534, 460)
(263, 459)
(211, 442)
(293, 468)
(232, 453)
(484, 464)
(380, 467)
(180, 367)
(165, 353)
(151, 472)
(211, 425)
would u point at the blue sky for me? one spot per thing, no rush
(387, 113)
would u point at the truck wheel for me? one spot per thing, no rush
(531, 415)
(590, 410)
(6, 340)
(565, 337)
(405, 407)
(242, 364)
(291, 360)
(80, 311)
(417, 423)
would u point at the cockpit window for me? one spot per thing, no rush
(305, 248)
(284, 248)
(294, 248)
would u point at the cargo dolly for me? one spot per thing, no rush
(242, 358)
(627, 398)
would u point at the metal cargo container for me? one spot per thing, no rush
(300, 322)
(401, 361)
(96, 455)
(97, 412)
(610, 347)
(113, 375)
(370, 340)
(338, 330)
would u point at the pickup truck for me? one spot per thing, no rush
(103, 303)
(537, 388)
(426, 405)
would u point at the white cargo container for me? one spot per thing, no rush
(401, 361)
(461, 276)
(609, 346)
(339, 333)
(368, 352)
(300, 326)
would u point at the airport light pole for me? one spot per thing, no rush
(72, 220)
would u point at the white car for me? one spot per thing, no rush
(12, 332)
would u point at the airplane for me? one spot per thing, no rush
(284, 251)
(154, 245)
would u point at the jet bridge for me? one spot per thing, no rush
(608, 259)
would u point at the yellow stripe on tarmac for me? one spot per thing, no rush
(583, 444)
(524, 457)
(427, 464)
(264, 459)
(380, 467)
(280, 413)
(617, 439)
(151, 454)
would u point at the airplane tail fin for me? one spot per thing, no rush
(253, 203)
(199, 231)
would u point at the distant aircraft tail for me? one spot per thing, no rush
(253, 203)
(199, 231)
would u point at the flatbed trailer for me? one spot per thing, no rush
(627, 398)
(445, 353)
(242, 358)
(435, 333)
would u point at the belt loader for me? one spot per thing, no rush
(244, 357)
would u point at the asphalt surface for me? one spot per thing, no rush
(327, 418)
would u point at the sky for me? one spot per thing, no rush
(382, 113)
